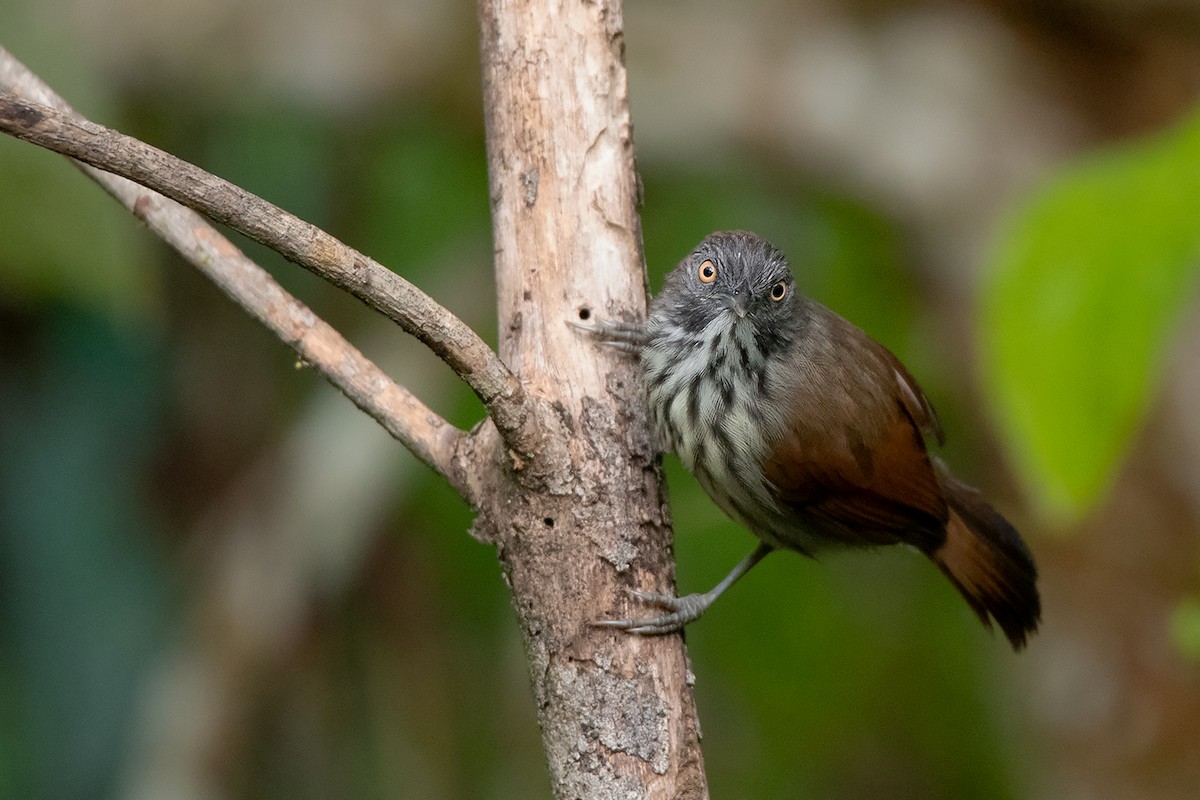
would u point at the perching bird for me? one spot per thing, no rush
(808, 432)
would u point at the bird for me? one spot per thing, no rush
(808, 432)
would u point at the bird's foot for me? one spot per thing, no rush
(628, 337)
(682, 610)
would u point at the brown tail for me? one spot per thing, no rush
(986, 560)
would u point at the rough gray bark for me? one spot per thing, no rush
(563, 475)
(617, 712)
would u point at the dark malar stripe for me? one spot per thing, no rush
(672, 432)
(743, 356)
(693, 400)
(656, 380)
(700, 451)
(721, 436)
(717, 354)
(727, 392)
(769, 340)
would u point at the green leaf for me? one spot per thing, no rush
(1087, 285)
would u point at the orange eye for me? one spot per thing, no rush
(779, 291)
(708, 272)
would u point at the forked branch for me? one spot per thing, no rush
(406, 418)
(69, 134)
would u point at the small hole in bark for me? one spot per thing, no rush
(585, 313)
(548, 522)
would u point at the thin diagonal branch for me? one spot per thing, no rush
(453, 341)
(319, 345)
(428, 436)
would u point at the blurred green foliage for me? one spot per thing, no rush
(100, 261)
(101, 264)
(84, 596)
(1185, 628)
(859, 676)
(1087, 284)
(810, 678)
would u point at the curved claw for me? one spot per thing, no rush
(664, 600)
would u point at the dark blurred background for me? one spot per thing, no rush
(220, 580)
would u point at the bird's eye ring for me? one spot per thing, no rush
(779, 291)
(708, 271)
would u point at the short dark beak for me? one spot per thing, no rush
(741, 302)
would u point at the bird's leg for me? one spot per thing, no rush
(683, 610)
(629, 337)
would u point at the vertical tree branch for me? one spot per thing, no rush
(617, 711)
(566, 482)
